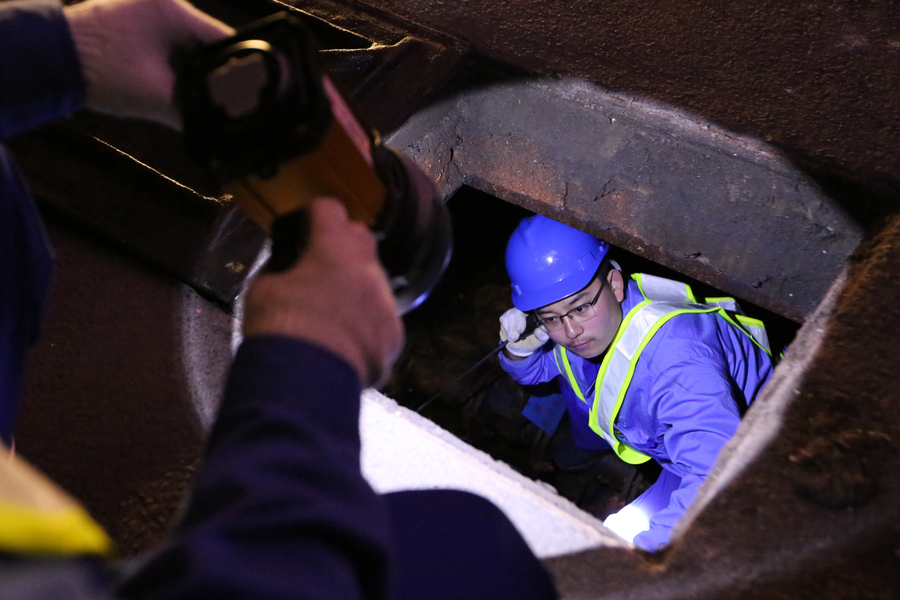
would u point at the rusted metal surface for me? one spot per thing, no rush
(626, 170)
(106, 411)
(723, 209)
(389, 66)
(203, 240)
(817, 79)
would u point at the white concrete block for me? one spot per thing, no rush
(404, 451)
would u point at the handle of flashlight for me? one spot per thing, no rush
(290, 237)
(276, 134)
(531, 323)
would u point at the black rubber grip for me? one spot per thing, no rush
(290, 237)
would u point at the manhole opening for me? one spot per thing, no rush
(459, 325)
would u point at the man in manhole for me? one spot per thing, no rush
(645, 368)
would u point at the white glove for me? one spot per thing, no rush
(512, 325)
(125, 46)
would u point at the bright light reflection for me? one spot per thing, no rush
(628, 522)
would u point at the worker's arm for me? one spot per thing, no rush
(695, 414)
(111, 55)
(41, 80)
(41, 77)
(533, 369)
(280, 508)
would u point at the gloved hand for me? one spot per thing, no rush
(512, 325)
(125, 46)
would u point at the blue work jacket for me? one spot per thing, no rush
(40, 80)
(692, 383)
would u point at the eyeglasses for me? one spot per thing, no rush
(582, 312)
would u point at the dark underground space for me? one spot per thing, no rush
(458, 326)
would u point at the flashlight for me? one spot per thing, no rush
(275, 133)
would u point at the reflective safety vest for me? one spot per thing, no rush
(663, 300)
(38, 519)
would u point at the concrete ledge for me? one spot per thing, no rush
(404, 451)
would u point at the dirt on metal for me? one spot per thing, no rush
(819, 79)
(106, 412)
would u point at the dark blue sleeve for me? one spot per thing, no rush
(280, 509)
(40, 76)
(40, 80)
(24, 284)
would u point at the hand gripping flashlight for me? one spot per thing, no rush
(275, 134)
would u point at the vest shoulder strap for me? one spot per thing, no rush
(658, 289)
(561, 356)
(664, 299)
(617, 369)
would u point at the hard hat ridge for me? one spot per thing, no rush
(548, 261)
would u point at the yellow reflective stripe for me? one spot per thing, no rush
(659, 289)
(568, 367)
(745, 324)
(604, 366)
(559, 368)
(622, 450)
(765, 348)
(759, 335)
(750, 321)
(69, 530)
(639, 279)
(629, 454)
(690, 294)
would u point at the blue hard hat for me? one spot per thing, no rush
(548, 261)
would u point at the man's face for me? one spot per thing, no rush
(590, 338)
